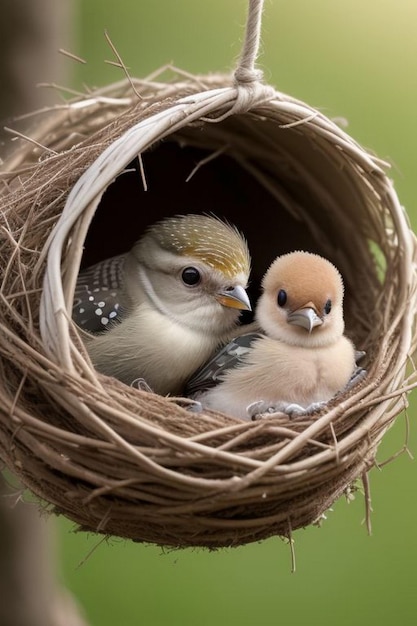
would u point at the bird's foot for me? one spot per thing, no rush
(194, 407)
(141, 384)
(262, 408)
(358, 375)
(295, 410)
(359, 355)
(265, 409)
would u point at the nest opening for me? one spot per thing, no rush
(277, 210)
(123, 462)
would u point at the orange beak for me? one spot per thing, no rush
(235, 298)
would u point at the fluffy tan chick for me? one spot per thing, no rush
(301, 357)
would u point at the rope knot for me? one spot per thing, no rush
(244, 75)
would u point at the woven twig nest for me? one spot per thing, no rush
(129, 463)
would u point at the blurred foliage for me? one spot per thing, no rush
(351, 59)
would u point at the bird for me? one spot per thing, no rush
(296, 356)
(157, 312)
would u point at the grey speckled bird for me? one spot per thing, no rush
(160, 311)
(98, 295)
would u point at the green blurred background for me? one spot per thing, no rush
(355, 59)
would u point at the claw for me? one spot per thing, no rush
(358, 375)
(294, 410)
(262, 407)
(141, 384)
(315, 406)
(194, 407)
(359, 354)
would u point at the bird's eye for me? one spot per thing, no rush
(190, 276)
(282, 297)
(328, 307)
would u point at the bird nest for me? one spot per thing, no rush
(83, 185)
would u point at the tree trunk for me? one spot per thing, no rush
(31, 33)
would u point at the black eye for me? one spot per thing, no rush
(282, 297)
(328, 307)
(190, 276)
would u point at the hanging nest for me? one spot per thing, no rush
(94, 173)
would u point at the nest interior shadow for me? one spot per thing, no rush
(124, 462)
(220, 186)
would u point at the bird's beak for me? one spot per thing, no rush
(306, 317)
(235, 298)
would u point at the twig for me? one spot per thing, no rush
(122, 65)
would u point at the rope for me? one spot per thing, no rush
(246, 72)
(248, 81)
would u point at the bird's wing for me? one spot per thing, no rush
(229, 356)
(98, 293)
